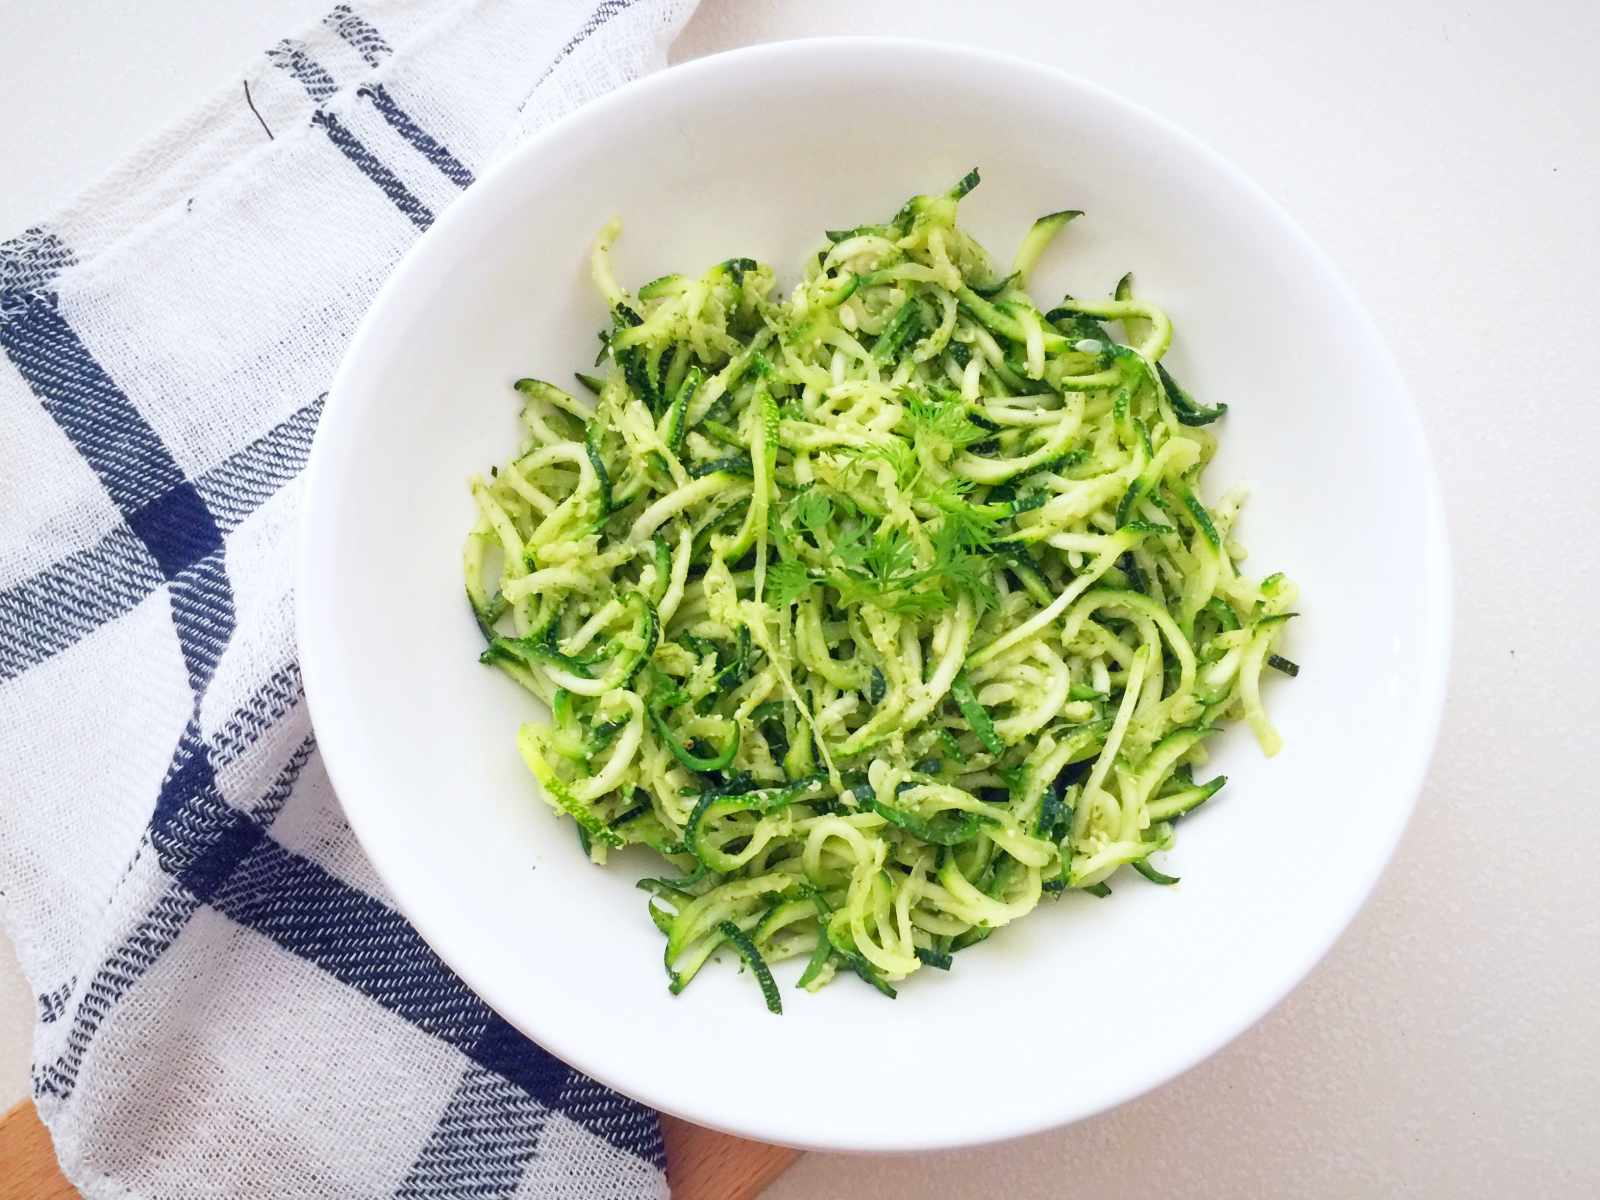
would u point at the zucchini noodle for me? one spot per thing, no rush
(880, 610)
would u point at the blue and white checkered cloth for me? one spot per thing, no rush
(228, 1003)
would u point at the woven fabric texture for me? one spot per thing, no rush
(229, 1005)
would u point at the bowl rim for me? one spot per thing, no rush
(1411, 768)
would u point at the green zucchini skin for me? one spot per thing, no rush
(879, 603)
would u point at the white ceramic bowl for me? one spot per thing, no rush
(1085, 1003)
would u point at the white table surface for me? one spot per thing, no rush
(1447, 155)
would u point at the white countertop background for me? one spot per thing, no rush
(1447, 155)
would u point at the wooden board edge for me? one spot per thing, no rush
(701, 1164)
(28, 1169)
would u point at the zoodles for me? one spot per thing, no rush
(881, 609)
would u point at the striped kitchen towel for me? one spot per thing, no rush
(229, 1005)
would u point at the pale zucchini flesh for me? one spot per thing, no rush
(880, 606)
